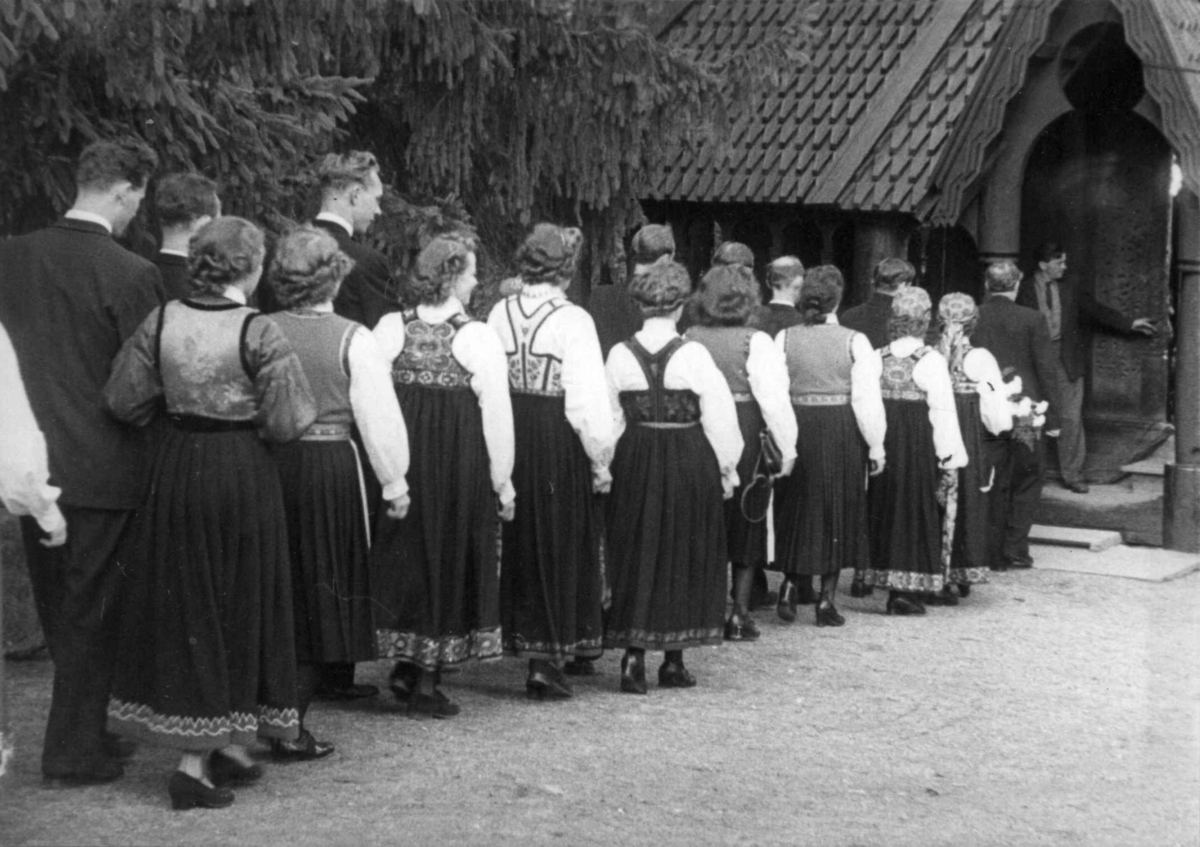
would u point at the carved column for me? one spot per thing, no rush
(1181, 485)
(875, 239)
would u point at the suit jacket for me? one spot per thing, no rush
(1020, 340)
(773, 318)
(367, 292)
(69, 297)
(616, 316)
(1078, 308)
(173, 271)
(870, 318)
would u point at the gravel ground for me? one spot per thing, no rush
(1048, 709)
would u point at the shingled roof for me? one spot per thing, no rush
(858, 128)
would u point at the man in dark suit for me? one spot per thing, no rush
(185, 202)
(350, 194)
(785, 276)
(69, 297)
(615, 315)
(871, 318)
(1066, 308)
(1020, 340)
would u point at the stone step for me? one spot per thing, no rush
(1095, 540)
(1146, 467)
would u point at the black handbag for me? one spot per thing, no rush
(766, 468)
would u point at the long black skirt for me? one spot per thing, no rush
(821, 508)
(327, 543)
(969, 556)
(207, 652)
(551, 580)
(435, 574)
(746, 535)
(666, 541)
(905, 518)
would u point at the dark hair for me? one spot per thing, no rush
(890, 274)
(661, 289)
(733, 253)
(650, 243)
(342, 170)
(439, 264)
(222, 252)
(1048, 251)
(103, 164)
(726, 296)
(820, 293)
(185, 197)
(783, 270)
(550, 254)
(308, 268)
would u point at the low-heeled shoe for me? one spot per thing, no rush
(402, 681)
(904, 606)
(633, 674)
(787, 602)
(675, 675)
(829, 616)
(189, 793)
(741, 628)
(435, 705)
(304, 749)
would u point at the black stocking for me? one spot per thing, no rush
(308, 675)
(743, 581)
(829, 583)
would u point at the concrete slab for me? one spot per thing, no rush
(1149, 564)
(1095, 540)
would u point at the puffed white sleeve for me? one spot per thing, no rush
(932, 375)
(996, 411)
(389, 335)
(769, 383)
(620, 373)
(478, 349)
(377, 413)
(585, 385)
(865, 397)
(24, 466)
(718, 414)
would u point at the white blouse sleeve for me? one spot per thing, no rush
(621, 373)
(718, 414)
(377, 413)
(981, 367)
(866, 398)
(769, 383)
(24, 466)
(585, 385)
(932, 376)
(389, 335)
(478, 349)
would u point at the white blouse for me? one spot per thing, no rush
(981, 367)
(479, 351)
(766, 368)
(569, 334)
(932, 375)
(377, 412)
(691, 368)
(24, 466)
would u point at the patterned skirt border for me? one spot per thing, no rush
(516, 646)
(433, 653)
(967, 576)
(640, 638)
(138, 720)
(921, 583)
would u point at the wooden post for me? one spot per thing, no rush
(875, 239)
(1181, 484)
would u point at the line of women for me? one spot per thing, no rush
(540, 503)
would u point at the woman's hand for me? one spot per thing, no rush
(875, 466)
(398, 510)
(507, 510)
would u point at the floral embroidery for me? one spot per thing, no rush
(589, 648)
(679, 640)
(432, 653)
(427, 359)
(897, 380)
(674, 406)
(923, 583)
(530, 372)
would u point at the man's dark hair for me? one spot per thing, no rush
(103, 164)
(1048, 251)
(184, 197)
(890, 274)
(342, 170)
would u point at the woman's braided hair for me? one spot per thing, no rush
(222, 252)
(308, 268)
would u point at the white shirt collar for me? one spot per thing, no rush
(831, 319)
(904, 346)
(335, 218)
(89, 217)
(171, 252)
(541, 291)
(232, 292)
(782, 301)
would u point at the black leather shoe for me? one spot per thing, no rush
(402, 681)
(101, 772)
(546, 682)
(116, 747)
(222, 770)
(346, 692)
(435, 705)
(898, 604)
(741, 628)
(858, 588)
(787, 601)
(829, 616)
(1078, 486)
(964, 590)
(675, 675)
(579, 667)
(633, 673)
(303, 749)
(188, 793)
(1020, 564)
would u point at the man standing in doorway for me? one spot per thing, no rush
(1065, 307)
(889, 277)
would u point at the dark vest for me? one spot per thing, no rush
(322, 343)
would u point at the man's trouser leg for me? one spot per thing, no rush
(999, 454)
(1072, 443)
(77, 591)
(1028, 476)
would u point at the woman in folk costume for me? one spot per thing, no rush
(922, 440)
(208, 640)
(322, 472)
(435, 573)
(676, 460)
(821, 510)
(551, 580)
(757, 377)
(981, 398)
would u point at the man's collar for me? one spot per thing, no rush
(334, 218)
(775, 301)
(167, 251)
(232, 292)
(89, 217)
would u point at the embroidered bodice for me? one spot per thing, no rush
(529, 371)
(427, 359)
(658, 404)
(897, 381)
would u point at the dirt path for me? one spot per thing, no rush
(1049, 709)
